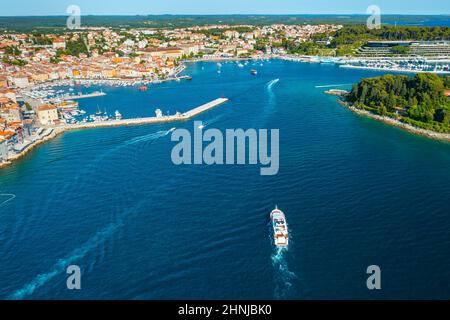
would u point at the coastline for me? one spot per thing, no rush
(345, 66)
(396, 123)
(56, 131)
(175, 118)
(109, 81)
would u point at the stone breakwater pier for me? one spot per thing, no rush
(80, 96)
(149, 120)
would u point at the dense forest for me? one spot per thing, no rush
(354, 34)
(53, 24)
(418, 100)
(346, 40)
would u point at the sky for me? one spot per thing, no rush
(145, 7)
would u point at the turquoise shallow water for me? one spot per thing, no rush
(355, 192)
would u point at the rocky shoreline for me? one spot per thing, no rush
(407, 127)
(56, 132)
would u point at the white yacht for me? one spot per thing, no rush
(280, 228)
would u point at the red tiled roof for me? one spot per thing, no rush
(46, 107)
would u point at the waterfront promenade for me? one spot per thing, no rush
(80, 96)
(401, 70)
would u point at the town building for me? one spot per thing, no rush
(47, 114)
(3, 149)
(59, 43)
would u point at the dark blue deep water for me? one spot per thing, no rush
(356, 193)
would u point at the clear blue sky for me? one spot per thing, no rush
(143, 7)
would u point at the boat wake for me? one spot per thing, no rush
(93, 165)
(211, 121)
(10, 197)
(149, 137)
(271, 102)
(60, 266)
(284, 278)
(98, 240)
(272, 83)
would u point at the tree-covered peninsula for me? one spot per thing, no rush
(420, 101)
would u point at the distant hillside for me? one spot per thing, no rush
(50, 23)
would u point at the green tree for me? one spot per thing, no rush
(420, 99)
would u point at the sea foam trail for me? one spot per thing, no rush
(10, 196)
(62, 264)
(149, 137)
(91, 166)
(212, 121)
(271, 103)
(272, 83)
(98, 239)
(284, 278)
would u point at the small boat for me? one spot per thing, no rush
(188, 78)
(280, 229)
(254, 72)
(99, 113)
(143, 88)
(118, 115)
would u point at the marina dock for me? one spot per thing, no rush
(150, 120)
(80, 96)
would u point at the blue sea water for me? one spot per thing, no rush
(356, 192)
(430, 23)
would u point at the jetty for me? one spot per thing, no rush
(149, 120)
(79, 96)
(203, 108)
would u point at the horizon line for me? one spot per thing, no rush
(225, 14)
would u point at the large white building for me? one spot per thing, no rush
(20, 81)
(47, 114)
